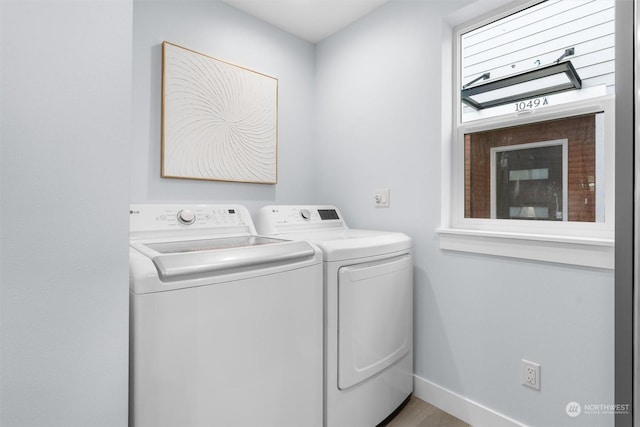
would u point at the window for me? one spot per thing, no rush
(528, 181)
(544, 171)
(532, 167)
(554, 36)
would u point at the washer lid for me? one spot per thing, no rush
(210, 244)
(176, 259)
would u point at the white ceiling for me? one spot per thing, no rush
(311, 20)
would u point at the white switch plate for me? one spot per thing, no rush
(381, 198)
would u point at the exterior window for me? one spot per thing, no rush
(532, 172)
(542, 171)
(547, 33)
(528, 182)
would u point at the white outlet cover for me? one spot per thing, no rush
(530, 374)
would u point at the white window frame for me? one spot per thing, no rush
(576, 243)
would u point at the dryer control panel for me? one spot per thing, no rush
(284, 218)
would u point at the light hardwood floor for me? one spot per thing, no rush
(418, 413)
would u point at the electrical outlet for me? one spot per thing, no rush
(531, 374)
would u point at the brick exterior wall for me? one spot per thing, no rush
(580, 133)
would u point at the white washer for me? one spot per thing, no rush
(226, 326)
(368, 278)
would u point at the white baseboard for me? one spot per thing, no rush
(459, 406)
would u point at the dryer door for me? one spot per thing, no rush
(375, 315)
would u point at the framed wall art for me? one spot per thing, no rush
(219, 120)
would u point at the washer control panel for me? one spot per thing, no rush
(155, 217)
(186, 216)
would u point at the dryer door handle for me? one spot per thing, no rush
(377, 268)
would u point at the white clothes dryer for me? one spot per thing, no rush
(368, 279)
(226, 326)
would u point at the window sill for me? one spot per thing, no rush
(589, 252)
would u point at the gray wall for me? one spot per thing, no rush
(65, 88)
(379, 86)
(218, 30)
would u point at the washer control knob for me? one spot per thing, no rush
(186, 217)
(305, 214)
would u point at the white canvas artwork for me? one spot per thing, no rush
(219, 120)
